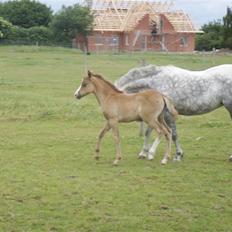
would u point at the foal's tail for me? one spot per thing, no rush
(170, 106)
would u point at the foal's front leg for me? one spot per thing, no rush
(100, 136)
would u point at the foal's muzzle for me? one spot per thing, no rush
(78, 96)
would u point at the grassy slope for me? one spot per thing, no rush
(49, 180)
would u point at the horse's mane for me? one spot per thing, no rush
(108, 83)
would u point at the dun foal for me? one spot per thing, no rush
(117, 106)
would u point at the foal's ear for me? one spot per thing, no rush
(89, 74)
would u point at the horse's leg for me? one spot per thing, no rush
(179, 152)
(153, 148)
(228, 106)
(170, 121)
(114, 126)
(230, 158)
(100, 136)
(172, 124)
(145, 148)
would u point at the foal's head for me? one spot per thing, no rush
(86, 87)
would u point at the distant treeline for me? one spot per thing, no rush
(31, 21)
(217, 34)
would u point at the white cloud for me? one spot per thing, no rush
(204, 11)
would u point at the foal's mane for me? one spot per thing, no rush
(107, 82)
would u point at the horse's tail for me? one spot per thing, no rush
(170, 106)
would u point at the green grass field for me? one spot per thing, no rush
(49, 180)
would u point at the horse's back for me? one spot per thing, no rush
(220, 67)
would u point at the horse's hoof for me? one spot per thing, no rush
(141, 156)
(177, 159)
(230, 159)
(150, 157)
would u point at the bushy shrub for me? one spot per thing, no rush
(30, 35)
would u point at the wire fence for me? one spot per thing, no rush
(37, 43)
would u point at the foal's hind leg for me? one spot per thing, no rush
(170, 121)
(172, 124)
(168, 135)
(162, 129)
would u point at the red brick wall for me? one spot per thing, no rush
(167, 26)
(106, 41)
(173, 42)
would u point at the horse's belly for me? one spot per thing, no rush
(198, 106)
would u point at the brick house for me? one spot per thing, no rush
(129, 25)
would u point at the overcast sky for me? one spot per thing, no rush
(200, 11)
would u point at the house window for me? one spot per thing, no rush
(114, 41)
(184, 41)
(98, 39)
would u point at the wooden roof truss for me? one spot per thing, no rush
(123, 15)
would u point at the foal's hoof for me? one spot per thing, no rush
(115, 163)
(97, 157)
(164, 161)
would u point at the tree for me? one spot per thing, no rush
(72, 21)
(5, 27)
(26, 13)
(227, 35)
(212, 37)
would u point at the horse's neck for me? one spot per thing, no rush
(102, 90)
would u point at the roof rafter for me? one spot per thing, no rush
(124, 15)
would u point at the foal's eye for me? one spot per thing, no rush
(84, 85)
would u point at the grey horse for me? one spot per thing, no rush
(193, 93)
